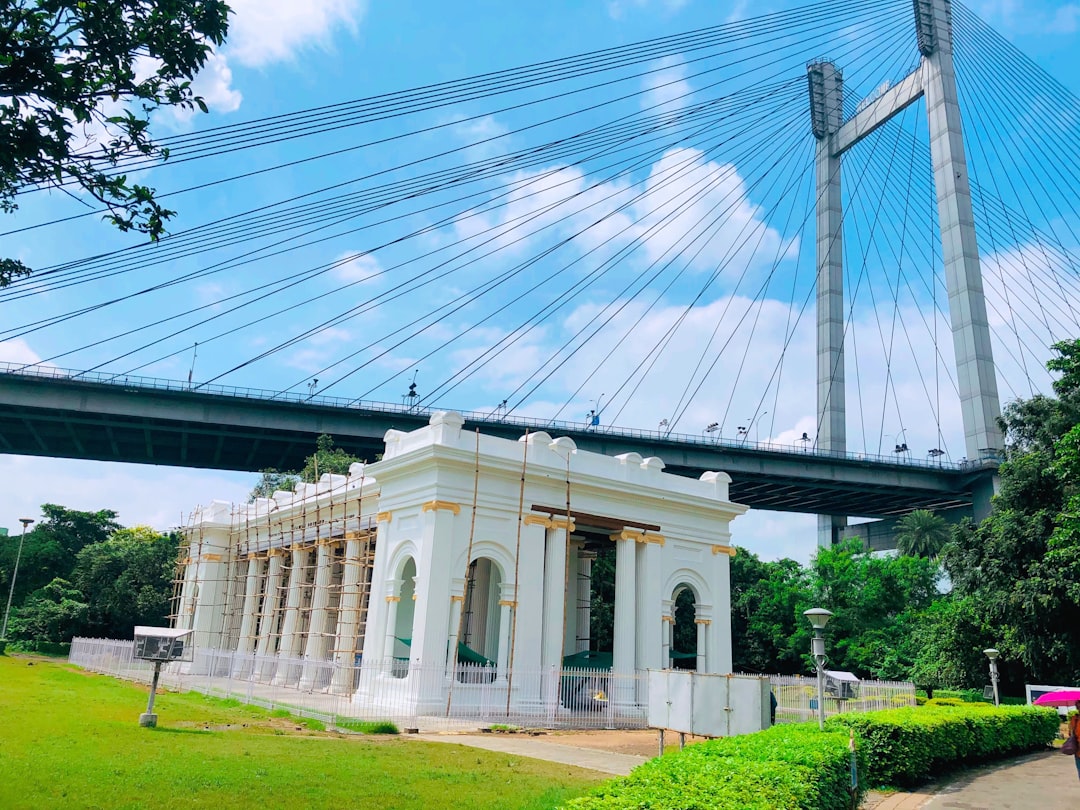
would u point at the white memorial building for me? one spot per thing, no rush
(461, 561)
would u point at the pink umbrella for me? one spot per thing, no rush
(1062, 697)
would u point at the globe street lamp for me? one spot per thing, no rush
(11, 591)
(819, 617)
(993, 654)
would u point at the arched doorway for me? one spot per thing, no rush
(481, 614)
(684, 635)
(403, 619)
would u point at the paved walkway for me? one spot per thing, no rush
(1046, 781)
(524, 746)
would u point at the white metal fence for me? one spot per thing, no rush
(398, 691)
(426, 698)
(797, 700)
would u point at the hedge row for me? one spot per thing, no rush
(788, 767)
(907, 746)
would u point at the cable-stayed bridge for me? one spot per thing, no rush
(672, 233)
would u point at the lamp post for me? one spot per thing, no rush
(11, 591)
(993, 654)
(819, 617)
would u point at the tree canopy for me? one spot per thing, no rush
(79, 82)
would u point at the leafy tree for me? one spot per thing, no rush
(51, 547)
(1018, 570)
(326, 459)
(79, 81)
(56, 612)
(921, 533)
(875, 600)
(766, 598)
(271, 481)
(127, 580)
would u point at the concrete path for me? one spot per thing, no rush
(1046, 781)
(523, 746)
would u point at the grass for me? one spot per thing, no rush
(366, 726)
(71, 740)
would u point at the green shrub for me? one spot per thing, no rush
(907, 746)
(366, 726)
(945, 701)
(920, 700)
(54, 648)
(791, 766)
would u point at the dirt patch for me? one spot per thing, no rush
(642, 742)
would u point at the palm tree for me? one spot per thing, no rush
(922, 534)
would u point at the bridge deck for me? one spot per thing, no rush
(55, 413)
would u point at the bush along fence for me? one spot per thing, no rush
(905, 747)
(789, 766)
(799, 767)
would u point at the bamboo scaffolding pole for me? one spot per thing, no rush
(468, 567)
(517, 568)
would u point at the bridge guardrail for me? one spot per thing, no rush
(491, 417)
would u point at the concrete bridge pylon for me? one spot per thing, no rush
(934, 79)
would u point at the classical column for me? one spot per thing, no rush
(702, 645)
(506, 604)
(391, 630)
(245, 645)
(457, 598)
(667, 631)
(315, 650)
(268, 618)
(348, 617)
(555, 592)
(290, 638)
(623, 657)
(584, 598)
(649, 645)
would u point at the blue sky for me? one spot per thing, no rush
(285, 56)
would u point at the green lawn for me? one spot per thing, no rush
(69, 739)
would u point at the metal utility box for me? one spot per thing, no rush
(162, 644)
(841, 685)
(708, 705)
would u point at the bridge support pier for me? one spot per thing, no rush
(934, 78)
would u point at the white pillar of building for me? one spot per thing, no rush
(315, 649)
(623, 654)
(650, 644)
(702, 644)
(453, 627)
(290, 637)
(506, 606)
(584, 600)
(268, 619)
(391, 629)
(348, 618)
(555, 561)
(573, 572)
(245, 644)
(667, 632)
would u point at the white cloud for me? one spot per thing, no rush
(161, 497)
(357, 269)
(265, 31)
(214, 84)
(666, 87)
(18, 351)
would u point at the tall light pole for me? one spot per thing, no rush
(11, 591)
(993, 654)
(819, 617)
